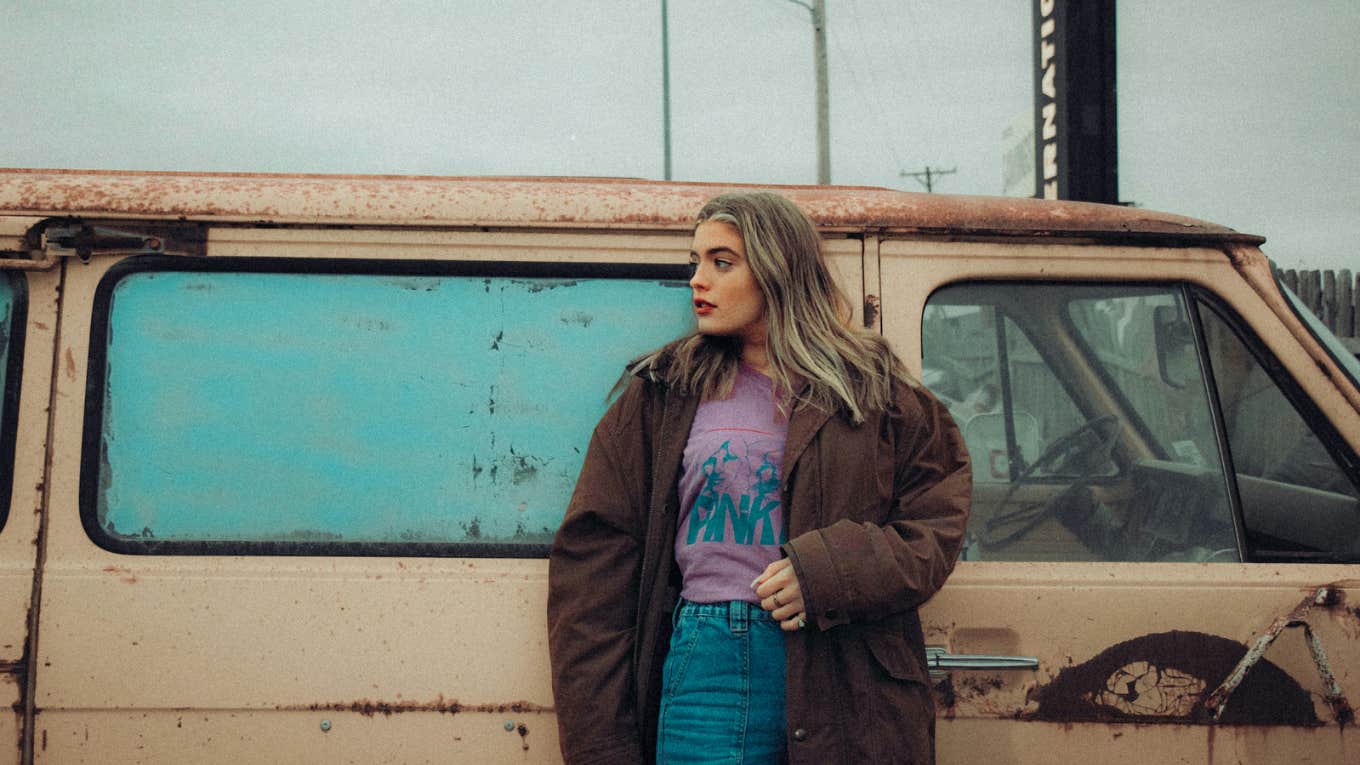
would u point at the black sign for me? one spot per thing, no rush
(1074, 100)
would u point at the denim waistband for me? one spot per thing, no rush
(738, 613)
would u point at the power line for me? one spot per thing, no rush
(866, 93)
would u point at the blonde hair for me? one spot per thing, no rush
(810, 335)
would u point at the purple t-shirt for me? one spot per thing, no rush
(732, 521)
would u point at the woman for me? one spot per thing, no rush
(776, 442)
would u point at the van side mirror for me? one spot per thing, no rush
(1175, 343)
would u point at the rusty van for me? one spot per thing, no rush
(282, 456)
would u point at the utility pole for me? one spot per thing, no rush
(823, 96)
(818, 11)
(666, 84)
(927, 176)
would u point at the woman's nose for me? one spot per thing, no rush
(699, 279)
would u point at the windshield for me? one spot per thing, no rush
(1345, 357)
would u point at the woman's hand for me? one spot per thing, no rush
(779, 593)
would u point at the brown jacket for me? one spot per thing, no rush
(876, 514)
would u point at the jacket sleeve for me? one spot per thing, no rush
(860, 572)
(592, 595)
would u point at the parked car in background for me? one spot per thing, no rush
(283, 455)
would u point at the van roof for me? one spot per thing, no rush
(586, 203)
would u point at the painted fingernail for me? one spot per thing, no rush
(755, 582)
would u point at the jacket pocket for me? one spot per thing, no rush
(893, 654)
(895, 708)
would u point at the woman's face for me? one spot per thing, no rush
(727, 300)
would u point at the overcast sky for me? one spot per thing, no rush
(1244, 112)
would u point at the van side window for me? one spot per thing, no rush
(439, 411)
(13, 314)
(1297, 503)
(992, 356)
(1108, 459)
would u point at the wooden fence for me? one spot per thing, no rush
(1334, 296)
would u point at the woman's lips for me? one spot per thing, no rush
(703, 307)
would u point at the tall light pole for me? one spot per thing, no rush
(823, 96)
(818, 11)
(666, 84)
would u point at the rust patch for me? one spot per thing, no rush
(945, 696)
(871, 307)
(975, 691)
(70, 365)
(1330, 597)
(128, 577)
(523, 731)
(1165, 678)
(971, 687)
(371, 708)
(588, 203)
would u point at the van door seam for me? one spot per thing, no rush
(40, 556)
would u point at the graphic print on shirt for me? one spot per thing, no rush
(739, 495)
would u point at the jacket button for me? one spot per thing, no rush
(832, 614)
(799, 735)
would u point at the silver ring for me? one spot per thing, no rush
(802, 623)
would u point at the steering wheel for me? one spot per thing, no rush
(1070, 453)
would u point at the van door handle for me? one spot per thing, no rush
(939, 660)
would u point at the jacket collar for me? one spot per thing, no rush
(803, 427)
(676, 420)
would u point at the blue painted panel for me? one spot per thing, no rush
(339, 408)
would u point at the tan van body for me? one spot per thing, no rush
(116, 650)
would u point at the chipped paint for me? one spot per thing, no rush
(456, 437)
(1162, 678)
(373, 708)
(945, 696)
(30, 260)
(974, 690)
(1335, 698)
(125, 574)
(1196, 678)
(523, 731)
(16, 671)
(871, 309)
(578, 203)
(1328, 596)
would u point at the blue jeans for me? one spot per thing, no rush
(722, 688)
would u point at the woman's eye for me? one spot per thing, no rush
(720, 263)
